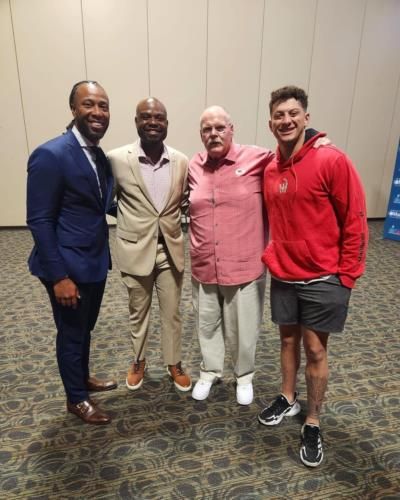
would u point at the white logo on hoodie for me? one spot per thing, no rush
(283, 185)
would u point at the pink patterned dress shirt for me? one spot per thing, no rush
(227, 218)
(157, 177)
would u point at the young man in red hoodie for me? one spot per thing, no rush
(316, 251)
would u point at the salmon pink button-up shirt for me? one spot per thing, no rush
(227, 219)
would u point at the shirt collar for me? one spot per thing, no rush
(230, 157)
(164, 158)
(85, 143)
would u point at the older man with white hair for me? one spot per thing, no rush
(227, 238)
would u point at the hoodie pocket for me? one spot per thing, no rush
(290, 260)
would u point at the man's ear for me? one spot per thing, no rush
(307, 119)
(270, 125)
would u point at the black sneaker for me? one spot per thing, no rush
(274, 413)
(311, 453)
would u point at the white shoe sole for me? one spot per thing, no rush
(182, 389)
(296, 408)
(134, 387)
(179, 387)
(311, 464)
(244, 403)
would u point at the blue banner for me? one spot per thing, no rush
(391, 228)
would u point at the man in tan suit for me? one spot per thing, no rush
(151, 189)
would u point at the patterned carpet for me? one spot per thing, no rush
(164, 445)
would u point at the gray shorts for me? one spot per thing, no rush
(321, 306)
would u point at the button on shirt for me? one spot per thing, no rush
(157, 177)
(227, 223)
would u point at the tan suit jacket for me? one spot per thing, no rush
(138, 221)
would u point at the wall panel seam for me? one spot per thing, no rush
(312, 45)
(148, 45)
(19, 79)
(259, 74)
(355, 79)
(84, 41)
(206, 85)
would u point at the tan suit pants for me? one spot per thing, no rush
(232, 316)
(168, 285)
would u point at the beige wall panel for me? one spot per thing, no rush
(334, 66)
(233, 61)
(375, 94)
(177, 58)
(13, 146)
(49, 43)
(286, 54)
(117, 56)
(192, 53)
(389, 160)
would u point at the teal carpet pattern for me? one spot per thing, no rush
(164, 445)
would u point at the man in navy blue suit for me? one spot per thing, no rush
(68, 195)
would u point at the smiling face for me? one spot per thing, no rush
(216, 132)
(151, 121)
(288, 122)
(90, 109)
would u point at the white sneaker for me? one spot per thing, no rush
(244, 394)
(202, 389)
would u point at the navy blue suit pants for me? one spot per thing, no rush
(74, 328)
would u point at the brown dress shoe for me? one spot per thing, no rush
(95, 385)
(135, 375)
(182, 381)
(89, 412)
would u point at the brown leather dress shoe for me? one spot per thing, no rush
(182, 381)
(95, 385)
(135, 376)
(89, 412)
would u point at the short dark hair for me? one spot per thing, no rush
(75, 88)
(288, 92)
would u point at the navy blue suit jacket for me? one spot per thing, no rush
(66, 214)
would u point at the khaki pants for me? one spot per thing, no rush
(168, 284)
(231, 315)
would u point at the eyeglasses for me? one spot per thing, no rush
(219, 129)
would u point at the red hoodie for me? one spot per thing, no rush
(317, 216)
